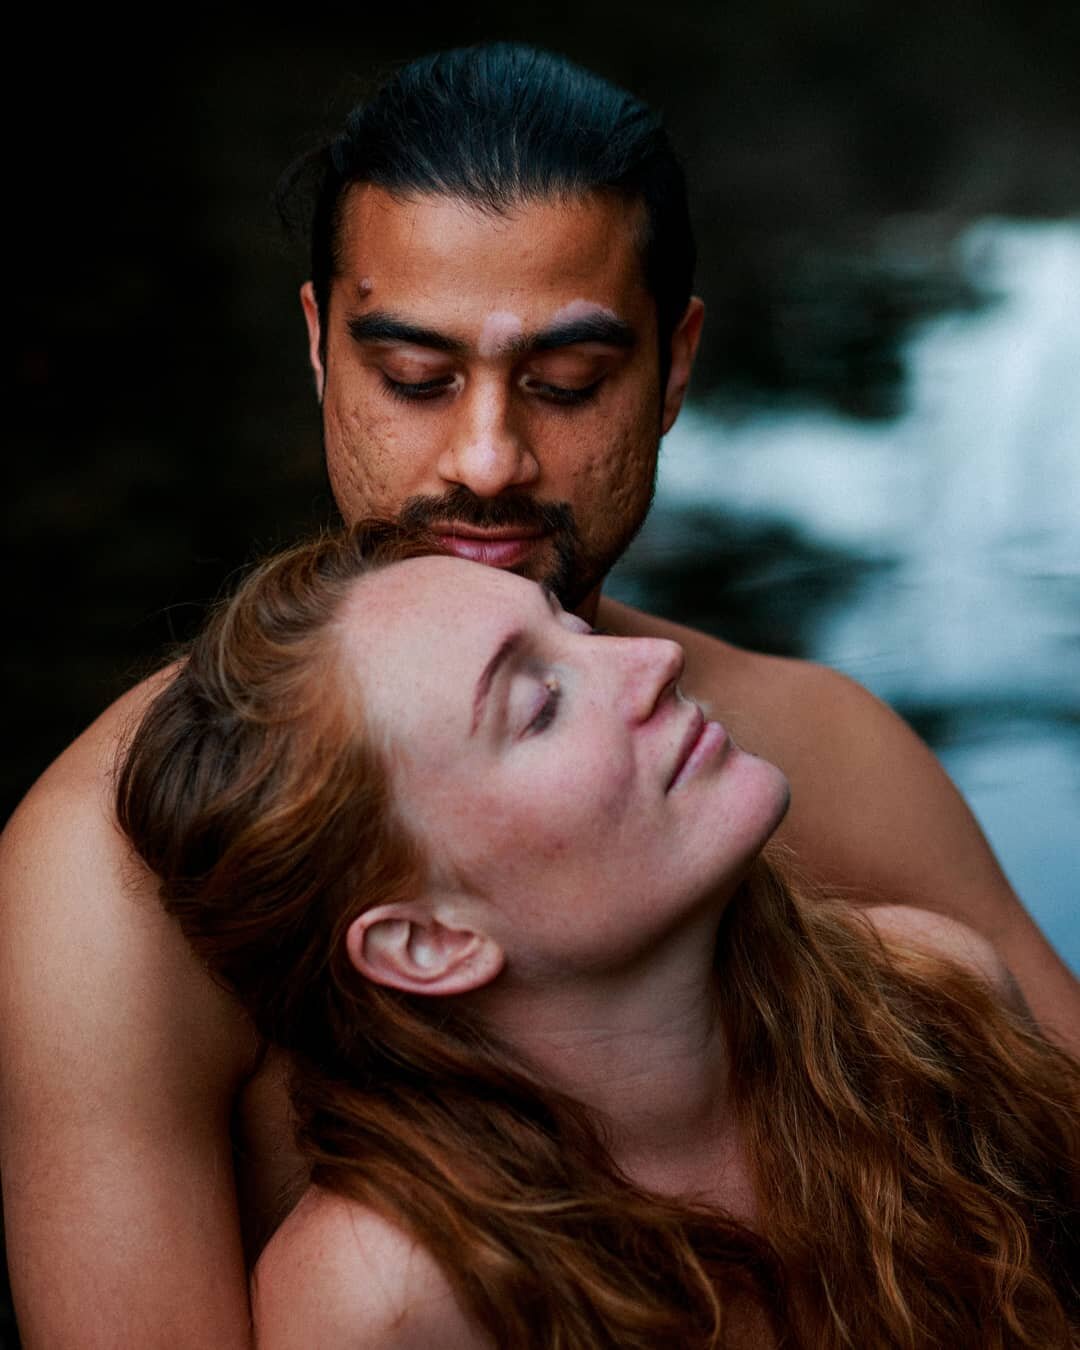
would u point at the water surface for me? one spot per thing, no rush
(935, 557)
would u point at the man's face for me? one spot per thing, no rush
(495, 377)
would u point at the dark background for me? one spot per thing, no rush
(163, 426)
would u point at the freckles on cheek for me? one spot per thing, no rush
(553, 847)
(506, 841)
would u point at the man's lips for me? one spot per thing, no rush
(503, 547)
(701, 740)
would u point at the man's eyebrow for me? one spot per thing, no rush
(380, 326)
(506, 649)
(602, 328)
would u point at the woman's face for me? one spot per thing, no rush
(557, 779)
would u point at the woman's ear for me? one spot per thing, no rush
(407, 946)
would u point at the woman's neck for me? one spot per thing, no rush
(643, 1049)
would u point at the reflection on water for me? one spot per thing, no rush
(935, 558)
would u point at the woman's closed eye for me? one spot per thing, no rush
(545, 715)
(551, 686)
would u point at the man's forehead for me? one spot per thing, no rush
(584, 248)
(367, 205)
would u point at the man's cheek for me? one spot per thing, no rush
(368, 466)
(619, 475)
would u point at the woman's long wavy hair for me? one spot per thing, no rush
(914, 1142)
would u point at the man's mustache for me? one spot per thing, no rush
(464, 507)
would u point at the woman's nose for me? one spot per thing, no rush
(487, 452)
(654, 667)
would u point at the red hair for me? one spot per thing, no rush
(914, 1143)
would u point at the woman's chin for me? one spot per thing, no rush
(766, 796)
(763, 799)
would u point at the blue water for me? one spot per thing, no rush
(935, 558)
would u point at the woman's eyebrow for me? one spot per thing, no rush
(505, 650)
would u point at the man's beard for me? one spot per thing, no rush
(570, 574)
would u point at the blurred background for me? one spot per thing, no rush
(879, 466)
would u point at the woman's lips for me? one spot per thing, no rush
(703, 741)
(496, 549)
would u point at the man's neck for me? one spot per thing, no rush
(588, 607)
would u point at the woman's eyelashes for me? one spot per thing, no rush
(548, 708)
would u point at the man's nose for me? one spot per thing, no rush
(487, 452)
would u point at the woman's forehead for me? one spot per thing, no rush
(440, 581)
(416, 615)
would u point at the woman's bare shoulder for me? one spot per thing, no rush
(338, 1274)
(938, 935)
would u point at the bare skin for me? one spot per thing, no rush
(873, 813)
(122, 1066)
(339, 1275)
(127, 1076)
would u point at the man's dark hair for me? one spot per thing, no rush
(497, 125)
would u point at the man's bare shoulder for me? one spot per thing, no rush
(120, 1061)
(873, 814)
(85, 770)
(793, 712)
(338, 1274)
(65, 829)
(66, 870)
(83, 940)
(712, 663)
